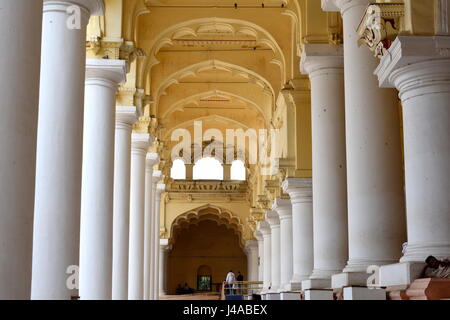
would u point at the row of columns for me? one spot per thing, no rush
(96, 198)
(357, 217)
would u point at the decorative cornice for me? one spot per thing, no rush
(381, 25)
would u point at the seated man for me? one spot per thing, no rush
(436, 268)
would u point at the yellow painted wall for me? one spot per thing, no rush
(204, 244)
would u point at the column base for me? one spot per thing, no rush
(294, 286)
(348, 279)
(316, 284)
(291, 296)
(319, 294)
(273, 296)
(362, 293)
(399, 274)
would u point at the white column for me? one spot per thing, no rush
(274, 222)
(325, 66)
(19, 92)
(260, 238)
(140, 144)
(59, 148)
(164, 249)
(283, 208)
(264, 227)
(419, 68)
(97, 195)
(376, 212)
(125, 118)
(300, 191)
(152, 160)
(251, 249)
(160, 189)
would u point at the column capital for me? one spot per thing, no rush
(164, 244)
(258, 235)
(157, 177)
(152, 160)
(322, 57)
(160, 189)
(273, 219)
(95, 7)
(283, 207)
(342, 5)
(107, 72)
(126, 115)
(251, 245)
(299, 189)
(410, 57)
(264, 228)
(141, 142)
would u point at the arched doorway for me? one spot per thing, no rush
(205, 246)
(204, 279)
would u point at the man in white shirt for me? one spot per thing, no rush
(231, 278)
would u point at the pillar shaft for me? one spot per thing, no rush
(164, 248)
(251, 250)
(59, 149)
(259, 237)
(152, 160)
(19, 92)
(102, 79)
(325, 66)
(264, 227)
(274, 222)
(139, 146)
(125, 118)
(156, 238)
(283, 208)
(300, 191)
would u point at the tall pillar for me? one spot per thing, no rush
(152, 160)
(264, 228)
(251, 249)
(424, 85)
(160, 189)
(274, 222)
(376, 213)
(300, 191)
(125, 118)
(19, 92)
(325, 66)
(97, 195)
(59, 148)
(283, 208)
(259, 237)
(164, 249)
(139, 147)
